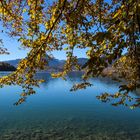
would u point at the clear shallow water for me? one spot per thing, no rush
(54, 113)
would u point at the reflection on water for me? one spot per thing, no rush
(54, 113)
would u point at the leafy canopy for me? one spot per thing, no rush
(104, 27)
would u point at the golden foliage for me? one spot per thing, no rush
(106, 29)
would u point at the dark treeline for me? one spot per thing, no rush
(6, 67)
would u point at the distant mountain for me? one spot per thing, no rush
(54, 64)
(13, 62)
(6, 67)
(82, 61)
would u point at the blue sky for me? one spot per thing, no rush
(16, 51)
(13, 48)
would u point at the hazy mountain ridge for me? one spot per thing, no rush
(13, 62)
(54, 64)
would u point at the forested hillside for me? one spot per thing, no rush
(6, 67)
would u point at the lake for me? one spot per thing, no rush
(55, 113)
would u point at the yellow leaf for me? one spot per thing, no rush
(119, 11)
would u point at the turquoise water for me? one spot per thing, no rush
(55, 113)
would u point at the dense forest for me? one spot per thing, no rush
(6, 67)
